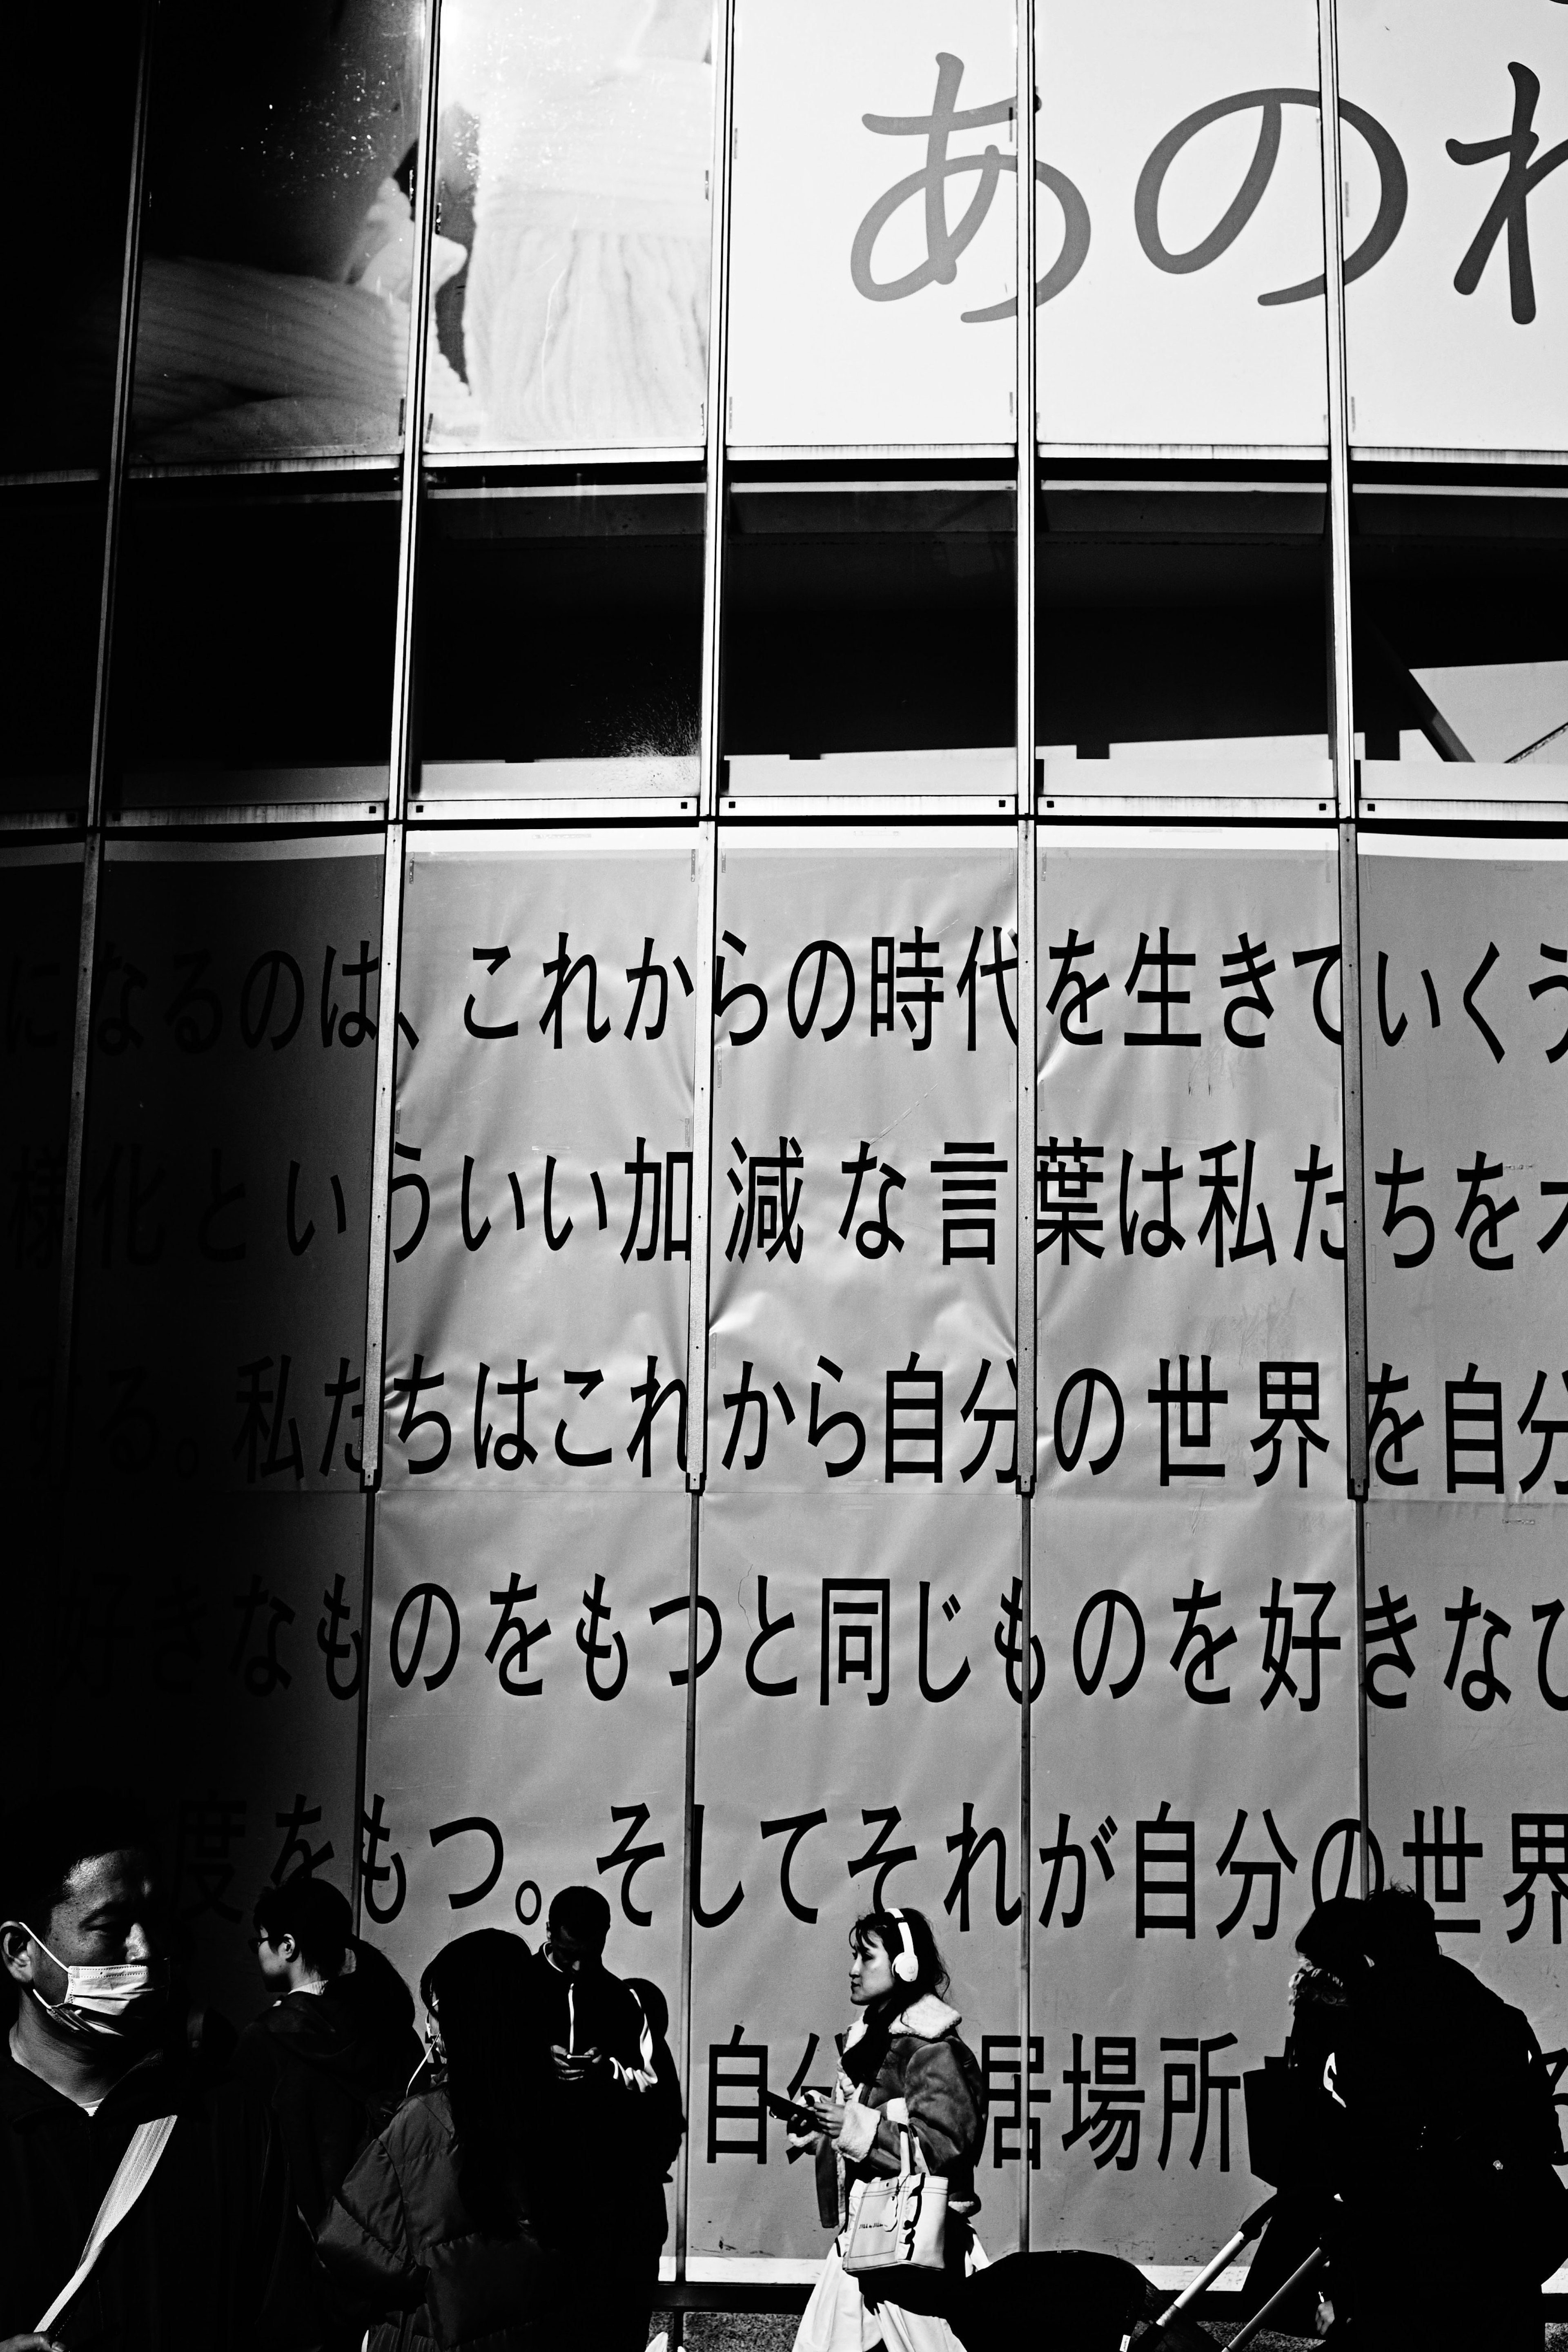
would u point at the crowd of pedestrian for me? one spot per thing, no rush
(322, 2181)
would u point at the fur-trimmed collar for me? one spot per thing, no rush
(927, 2019)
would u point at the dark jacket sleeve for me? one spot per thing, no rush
(947, 2110)
(365, 2245)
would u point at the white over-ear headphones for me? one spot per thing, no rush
(906, 1966)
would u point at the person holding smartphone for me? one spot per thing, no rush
(901, 2064)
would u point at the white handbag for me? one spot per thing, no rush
(899, 2224)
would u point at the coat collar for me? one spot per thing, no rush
(926, 2018)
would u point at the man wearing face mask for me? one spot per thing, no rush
(107, 2132)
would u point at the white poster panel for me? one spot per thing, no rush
(542, 1165)
(40, 917)
(527, 1727)
(1465, 1004)
(1180, 223)
(1464, 1008)
(1459, 338)
(873, 230)
(570, 298)
(862, 1280)
(225, 1184)
(857, 1744)
(1466, 1664)
(205, 1650)
(1194, 1561)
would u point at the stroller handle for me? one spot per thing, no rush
(1251, 2228)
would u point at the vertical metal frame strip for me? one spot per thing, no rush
(401, 755)
(705, 854)
(92, 846)
(1341, 744)
(1024, 523)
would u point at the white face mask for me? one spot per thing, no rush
(112, 2001)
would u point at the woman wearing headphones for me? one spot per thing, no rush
(901, 2064)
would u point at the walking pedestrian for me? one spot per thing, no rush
(901, 2064)
(333, 2052)
(437, 2237)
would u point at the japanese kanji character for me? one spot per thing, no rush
(739, 1401)
(1218, 1180)
(1110, 2115)
(1287, 1392)
(414, 1387)
(1195, 1420)
(1162, 963)
(411, 1182)
(997, 970)
(1396, 1180)
(473, 1825)
(116, 1033)
(913, 1447)
(1548, 1431)
(768, 1201)
(1247, 1871)
(855, 1645)
(210, 1827)
(1078, 991)
(1384, 1629)
(1546, 1613)
(140, 1249)
(513, 1629)
(1250, 973)
(701, 1913)
(377, 1834)
(1539, 1850)
(1473, 1413)
(255, 1023)
(708, 1619)
(1482, 1685)
(175, 1616)
(1065, 1209)
(793, 1827)
(969, 1173)
(328, 1631)
(1554, 1189)
(1002, 2076)
(986, 1417)
(297, 1852)
(736, 2117)
(1510, 207)
(768, 1630)
(1205, 1643)
(914, 984)
(1448, 1858)
(566, 969)
(265, 1673)
(1165, 1895)
(875, 1234)
(1282, 1642)
(660, 1180)
(1188, 2089)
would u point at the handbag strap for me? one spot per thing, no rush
(134, 2170)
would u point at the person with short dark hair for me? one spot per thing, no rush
(331, 2056)
(210, 2252)
(602, 2051)
(660, 2127)
(904, 2048)
(437, 2235)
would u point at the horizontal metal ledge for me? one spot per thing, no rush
(1458, 490)
(813, 452)
(359, 814)
(663, 808)
(886, 486)
(296, 465)
(1150, 808)
(815, 806)
(1365, 454)
(1205, 452)
(1465, 813)
(473, 461)
(52, 477)
(43, 820)
(617, 489)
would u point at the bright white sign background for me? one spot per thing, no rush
(1430, 368)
